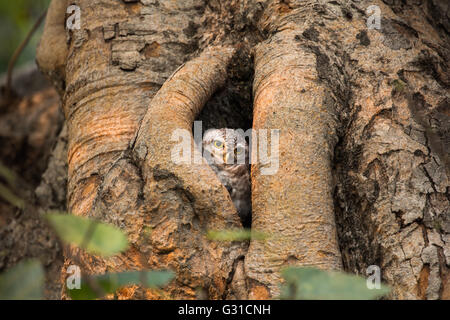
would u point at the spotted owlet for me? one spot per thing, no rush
(227, 153)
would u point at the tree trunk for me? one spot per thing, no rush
(363, 120)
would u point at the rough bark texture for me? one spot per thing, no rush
(136, 187)
(364, 120)
(185, 200)
(393, 189)
(296, 202)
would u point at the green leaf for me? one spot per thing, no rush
(25, 281)
(7, 195)
(110, 283)
(5, 192)
(235, 235)
(314, 284)
(7, 174)
(93, 236)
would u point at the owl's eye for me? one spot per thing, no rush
(218, 144)
(239, 150)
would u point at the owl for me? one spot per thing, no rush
(227, 153)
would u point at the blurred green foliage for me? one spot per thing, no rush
(6, 191)
(111, 282)
(23, 282)
(17, 18)
(103, 239)
(26, 279)
(305, 283)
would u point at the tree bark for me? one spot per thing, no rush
(364, 135)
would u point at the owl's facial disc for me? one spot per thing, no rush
(225, 149)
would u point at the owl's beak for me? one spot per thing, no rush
(229, 157)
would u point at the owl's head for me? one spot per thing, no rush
(225, 147)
